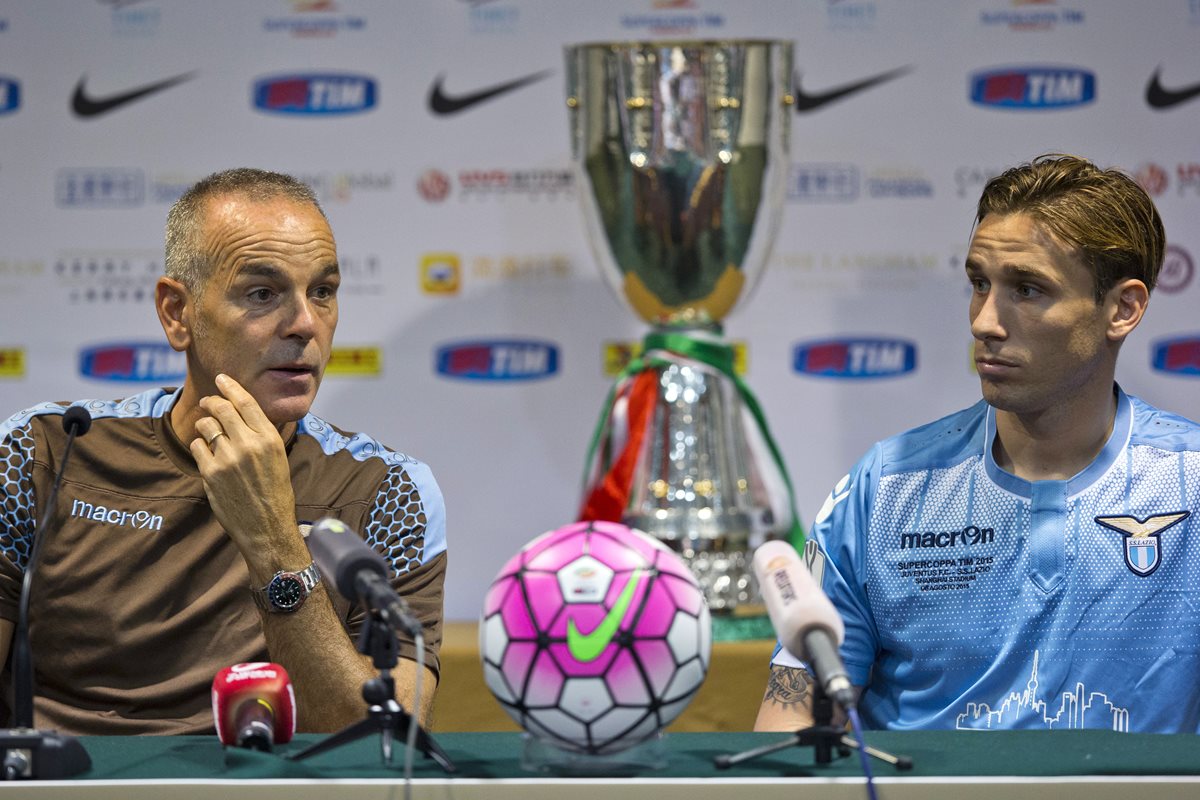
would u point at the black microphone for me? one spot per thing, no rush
(358, 572)
(806, 622)
(29, 753)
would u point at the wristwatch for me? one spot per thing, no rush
(287, 591)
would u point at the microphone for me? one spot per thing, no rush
(29, 753)
(359, 572)
(254, 706)
(805, 621)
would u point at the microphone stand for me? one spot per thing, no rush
(822, 736)
(30, 753)
(384, 715)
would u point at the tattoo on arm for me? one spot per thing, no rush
(788, 687)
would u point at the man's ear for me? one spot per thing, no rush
(174, 303)
(1127, 300)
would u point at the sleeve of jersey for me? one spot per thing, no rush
(17, 515)
(407, 525)
(839, 533)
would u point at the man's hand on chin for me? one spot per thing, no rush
(243, 464)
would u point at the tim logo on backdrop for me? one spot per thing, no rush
(319, 94)
(133, 361)
(500, 360)
(1177, 356)
(1033, 88)
(855, 358)
(10, 94)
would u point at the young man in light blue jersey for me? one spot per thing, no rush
(1029, 562)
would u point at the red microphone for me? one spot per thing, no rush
(254, 705)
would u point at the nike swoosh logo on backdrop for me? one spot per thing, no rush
(588, 647)
(809, 101)
(1158, 97)
(442, 103)
(85, 105)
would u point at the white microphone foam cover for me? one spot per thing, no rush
(794, 601)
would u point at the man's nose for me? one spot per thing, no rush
(986, 317)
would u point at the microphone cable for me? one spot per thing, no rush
(410, 742)
(864, 759)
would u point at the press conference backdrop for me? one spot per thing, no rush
(476, 333)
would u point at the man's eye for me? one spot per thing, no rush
(260, 295)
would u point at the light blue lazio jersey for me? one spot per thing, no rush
(976, 600)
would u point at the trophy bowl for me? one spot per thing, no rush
(680, 150)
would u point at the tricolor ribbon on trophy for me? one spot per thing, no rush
(681, 151)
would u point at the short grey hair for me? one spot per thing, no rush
(186, 261)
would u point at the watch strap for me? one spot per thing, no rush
(308, 577)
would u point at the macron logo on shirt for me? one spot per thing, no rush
(115, 516)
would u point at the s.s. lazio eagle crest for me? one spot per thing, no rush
(1143, 552)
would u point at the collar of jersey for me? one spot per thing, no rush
(1122, 426)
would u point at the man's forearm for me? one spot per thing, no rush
(327, 671)
(787, 702)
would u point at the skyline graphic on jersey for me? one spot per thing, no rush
(1072, 711)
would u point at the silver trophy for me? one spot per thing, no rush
(681, 154)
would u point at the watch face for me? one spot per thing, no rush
(286, 592)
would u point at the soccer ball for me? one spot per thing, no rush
(594, 637)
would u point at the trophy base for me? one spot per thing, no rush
(540, 756)
(738, 628)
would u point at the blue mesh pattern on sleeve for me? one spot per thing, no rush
(17, 513)
(396, 525)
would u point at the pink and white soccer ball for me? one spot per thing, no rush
(594, 637)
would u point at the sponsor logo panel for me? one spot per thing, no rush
(806, 100)
(448, 273)
(1033, 88)
(167, 187)
(1177, 271)
(107, 276)
(133, 361)
(1180, 356)
(343, 187)
(10, 94)
(497, 360)
(355, 361)
(823, 183)
(1162, 97)
(133, 18)
(848, 15)
(12, 362)
(1188, 175)
(444, 103)
(882, 271)
(1035, 15)
(898, 184)
(314, 19)
(315, 94)
(490, 16)
(672, 18)
(441, 273)
(99, 188)
(362, 274)
(88, 104)
(435, 186)
(855, 358)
